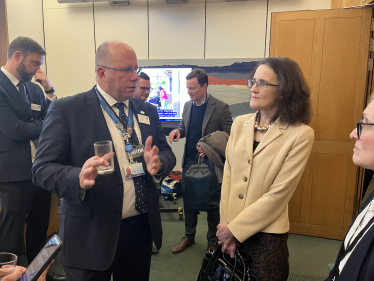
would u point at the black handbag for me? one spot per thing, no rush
(221, 267)
(202, 188)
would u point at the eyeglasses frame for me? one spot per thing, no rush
(145, 88)
(263, 82)
(123, 70)
(359, 127)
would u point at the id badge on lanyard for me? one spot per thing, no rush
(134, 169)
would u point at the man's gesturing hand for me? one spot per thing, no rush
(89, 173)
(151, 157)
(174, 135)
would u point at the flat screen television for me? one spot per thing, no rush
(173, 82)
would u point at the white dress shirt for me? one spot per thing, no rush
(128, 207)
(361, 221)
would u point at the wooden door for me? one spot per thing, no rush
(3, 33)
(335, 4)
(332, 49)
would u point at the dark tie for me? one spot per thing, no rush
(21, 90)
(139, 183)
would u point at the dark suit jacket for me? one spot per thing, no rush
(360, 265)
(18, 125)
(217, 118)
(90, 228)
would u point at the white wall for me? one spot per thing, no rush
(73, 31)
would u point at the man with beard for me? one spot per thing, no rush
(23, 107)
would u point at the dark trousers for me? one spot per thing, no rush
(132, 260)
(22, 202)
(190, 221)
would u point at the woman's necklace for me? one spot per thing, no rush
(257, 127)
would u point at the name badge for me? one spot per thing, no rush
(36, 107)
(144, 119)
(134, 170)
(138, 151)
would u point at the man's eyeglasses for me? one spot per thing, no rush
(263, 84)
(145, 89)
(360, 124)
(125, 70)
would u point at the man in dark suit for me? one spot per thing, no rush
(203, 115)
(143, 88)
(23, 107)
(107, 222)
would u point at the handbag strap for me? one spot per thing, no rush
(217, 253)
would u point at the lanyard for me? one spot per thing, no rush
(125, 134)
(115, 118)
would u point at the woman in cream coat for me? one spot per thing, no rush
(265, 158)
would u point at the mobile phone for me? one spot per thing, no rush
(42, 260)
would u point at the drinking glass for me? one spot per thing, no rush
(102, 148)
(8, 263)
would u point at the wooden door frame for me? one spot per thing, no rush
(4, 38)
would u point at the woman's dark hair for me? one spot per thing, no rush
(294, 94)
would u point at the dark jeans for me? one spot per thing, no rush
(132, 260)
(191, 215)
(23, 202)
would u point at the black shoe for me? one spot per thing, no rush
(51, 276)
(154, 250)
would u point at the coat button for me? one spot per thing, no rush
(245, 179)
(249, 161)
(120, 185)
(241, 196)
(119, 213)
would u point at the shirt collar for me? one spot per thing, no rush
(10, 76)
(205, 101)
(109, 99)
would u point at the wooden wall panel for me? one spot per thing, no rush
(294, 206)
(338, 78)
(296, 42)
(336, 70)
(3, 33)
(336, 4)
(327, 184)
(350, 3)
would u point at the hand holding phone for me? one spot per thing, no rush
(43, 260)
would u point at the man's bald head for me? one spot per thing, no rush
(116, 69)
(109, 51)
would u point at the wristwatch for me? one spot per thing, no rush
(52, 90)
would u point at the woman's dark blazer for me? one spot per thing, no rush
(360, 265)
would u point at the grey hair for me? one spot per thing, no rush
(371, 98)
(102, 54)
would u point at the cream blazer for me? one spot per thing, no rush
(257, 186)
